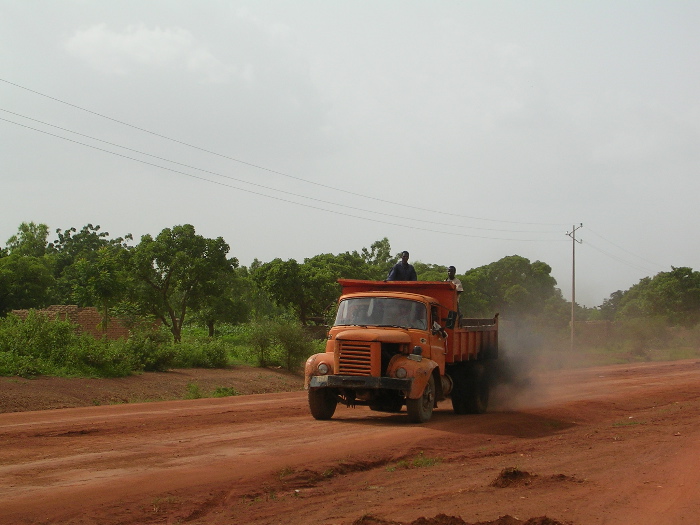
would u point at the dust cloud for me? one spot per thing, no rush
(516, 376)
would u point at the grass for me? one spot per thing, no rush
(285, 472)
(420, 461)
(224, 391)
(160, 503)
(194, 391)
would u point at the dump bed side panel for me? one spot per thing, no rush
(473, 339)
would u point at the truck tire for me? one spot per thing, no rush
(322, 402)
(478, 390)
(421, 410)
(460, 390)
(470, 391)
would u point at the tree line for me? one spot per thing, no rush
(181, 277)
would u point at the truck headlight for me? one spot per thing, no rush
(323, 369)
(400, 373)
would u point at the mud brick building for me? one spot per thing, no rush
(87, 320)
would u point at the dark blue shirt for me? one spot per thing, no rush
(402, 272)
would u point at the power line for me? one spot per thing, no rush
(335, 212)
(251, 183)
(256, 166)
(268, 169)
(627, 263)
(624, 250)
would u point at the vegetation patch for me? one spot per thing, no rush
(224, 391)
(193, 391)
(420, 461)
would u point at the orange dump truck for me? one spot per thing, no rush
(402, 343)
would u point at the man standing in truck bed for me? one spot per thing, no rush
(451, 270)
(402, 271)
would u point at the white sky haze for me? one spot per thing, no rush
(461, 131)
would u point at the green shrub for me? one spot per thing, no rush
(37, 335)
(295, 343)
(224, 391)
(262, 339)
(146, 353)
(41, 346)
(19, 365)
(201, 354)
(38, 345)
(90, 357)
(193, 391)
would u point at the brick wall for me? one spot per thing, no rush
(86, 319)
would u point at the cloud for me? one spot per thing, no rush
(119, 53)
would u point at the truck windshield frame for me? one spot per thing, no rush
(382, 311)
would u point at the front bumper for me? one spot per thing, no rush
(361, 382)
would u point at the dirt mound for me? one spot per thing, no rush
(512, 476)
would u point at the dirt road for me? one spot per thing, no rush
(610, 445)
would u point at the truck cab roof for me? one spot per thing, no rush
(445, 293)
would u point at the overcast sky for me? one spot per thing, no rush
(461, 131)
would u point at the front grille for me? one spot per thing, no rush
(355, 358)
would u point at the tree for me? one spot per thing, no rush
(83, 255)
(321, 274)
(673, 296)
(311, 288)
(99, 279)
(25, 282)
(229, 304)
(379, 259)
(176, 271)
(513, 286)
(430, 272)
(282, 280)
(611, 305)
(31, 240)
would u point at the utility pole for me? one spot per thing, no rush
(572, 234)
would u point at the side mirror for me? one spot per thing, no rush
(437, 329)
(451, 319)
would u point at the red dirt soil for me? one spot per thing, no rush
(608, 445)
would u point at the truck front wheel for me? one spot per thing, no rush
(322, 402)
(421, 410)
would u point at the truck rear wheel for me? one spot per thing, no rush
(421, 410)
(478, 398)
(322, 402)
(470, 393)
(460, 391)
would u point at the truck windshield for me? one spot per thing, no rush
(381, 311)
